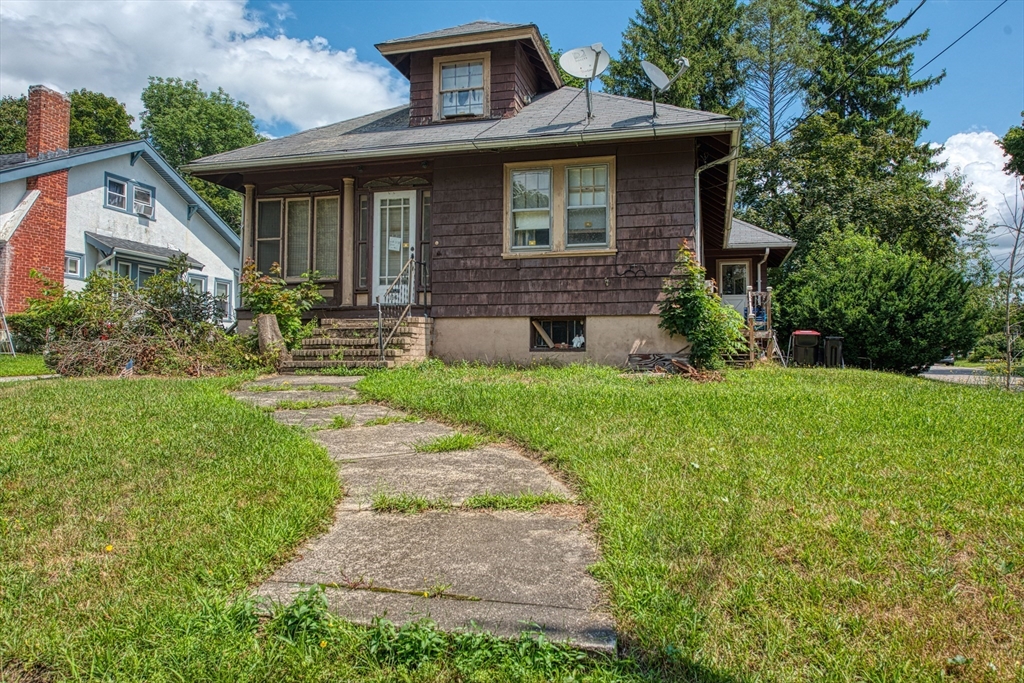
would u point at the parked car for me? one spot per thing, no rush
(948, 360)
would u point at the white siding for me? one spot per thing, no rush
(169, 228)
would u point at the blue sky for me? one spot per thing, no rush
(983, 89)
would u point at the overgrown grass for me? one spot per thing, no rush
(521, 501)
(134, 517)
(452, 442)
(340, 422)
(407, 503)
(782, 525)
(23, 364)
(307, 404)
(391, 419)
(287, 386)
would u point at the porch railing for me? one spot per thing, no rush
(394, 304)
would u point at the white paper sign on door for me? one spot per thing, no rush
(394, 244)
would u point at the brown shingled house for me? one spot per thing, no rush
(491, 215)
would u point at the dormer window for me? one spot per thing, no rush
(462, 86)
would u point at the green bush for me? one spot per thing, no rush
(896, 308)
(28, 331)
(690, 309)
(165, 327)
(269, 293)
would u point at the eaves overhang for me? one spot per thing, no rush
(487, 145)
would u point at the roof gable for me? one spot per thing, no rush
(12, 168)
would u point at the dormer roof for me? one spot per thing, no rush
(475, 33)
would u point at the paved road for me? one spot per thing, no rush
(961, 375)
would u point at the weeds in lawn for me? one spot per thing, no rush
(340, 422)
(287, 386)
(782, 524)
(391, 419)
(452, 442)
(519, 501)
(307, 404)
(406, 503)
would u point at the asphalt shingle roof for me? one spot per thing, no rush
(745, 234)
(19, 158)
(123, 245)
(461, 30)
(555, 117)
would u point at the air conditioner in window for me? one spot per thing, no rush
(144, 209)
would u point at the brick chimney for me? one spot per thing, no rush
(38, 242)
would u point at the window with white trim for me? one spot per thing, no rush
(461, 86)
(222, 290)
(73, 265)
(124, 269)
(144, 273)
(117, 194)
(301, 234)
(560, 208)
(197, 283)
(734, 277)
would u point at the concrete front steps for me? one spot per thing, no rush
(354, 344)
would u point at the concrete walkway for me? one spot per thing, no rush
(496, 571)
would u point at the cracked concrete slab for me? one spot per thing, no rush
(358, 413)
(270, 399)
(515, 557)
(452, 476)
(299, 381)
(587, 629)
(368, 442)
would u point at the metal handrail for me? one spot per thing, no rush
(395, 303)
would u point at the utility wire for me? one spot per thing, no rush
(960, 38)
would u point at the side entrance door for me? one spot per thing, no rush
(394, 239)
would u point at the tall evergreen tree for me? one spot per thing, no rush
(776, 51)
(185, 123)
(863, 70)
(703, 31)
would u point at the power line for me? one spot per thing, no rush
(960, 38)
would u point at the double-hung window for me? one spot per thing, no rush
(461, 85)
(560, 208)
(222, 290)
(117, 193)
(531, 209)
(300, 234)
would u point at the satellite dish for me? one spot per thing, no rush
(586, 62)
(656, 75)
(660, 82)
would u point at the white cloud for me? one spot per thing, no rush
(981, 161)
(113, 47)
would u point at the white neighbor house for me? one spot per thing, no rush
(127, 211)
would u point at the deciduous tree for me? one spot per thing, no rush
(96, 119)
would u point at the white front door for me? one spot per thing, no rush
(394, 237)
(733, 278)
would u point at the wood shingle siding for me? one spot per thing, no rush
(654, 213)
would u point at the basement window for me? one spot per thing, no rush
(558, 334)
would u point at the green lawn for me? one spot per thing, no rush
(783, 525)
(23, 364)
(136, 514)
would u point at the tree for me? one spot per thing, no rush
(893, 307)
(1013, 147)
(185, 123)
(863, 71)
(13, 114)
(567, 78)
(1012, 279)
(96, 119)
(703, 31)
(876, 183)
(775, 54)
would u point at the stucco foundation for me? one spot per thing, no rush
(610, 339)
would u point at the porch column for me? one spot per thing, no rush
(348, 224)
(248, 220)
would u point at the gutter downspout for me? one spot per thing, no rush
(697, 232)
(759, 264)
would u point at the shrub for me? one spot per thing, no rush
(271, 294)
(28, 331)
(689, 308)
(165, 327)
(894, 307)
